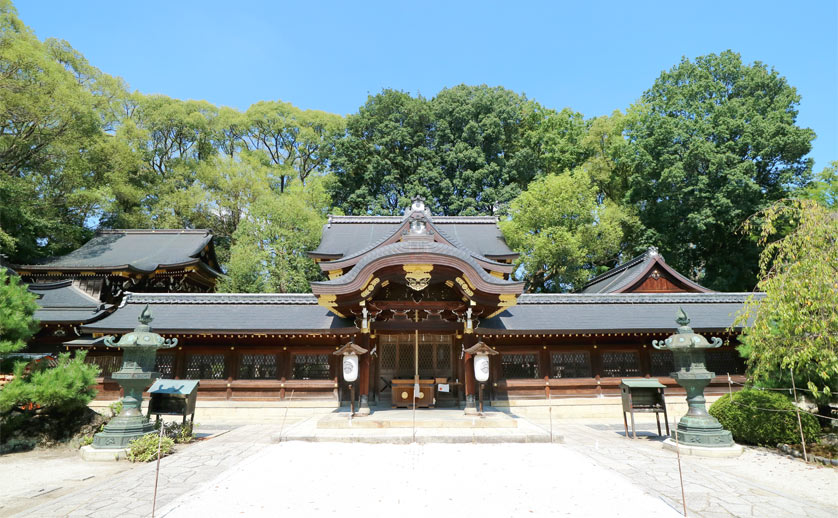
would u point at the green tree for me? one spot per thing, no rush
(564, 231)
(297, 143)
(270, 245)
(824, 189)
(55, 109)
(716, 140)
(795, 327)
(17, 313)
(385, 157)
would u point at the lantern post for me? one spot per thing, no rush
(481, 352)
(349, 367)
(697, 432)
(139, 351)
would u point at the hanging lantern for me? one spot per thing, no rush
(350, 367)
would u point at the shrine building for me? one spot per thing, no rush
(415, 291)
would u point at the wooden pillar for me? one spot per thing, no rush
(468, 368)
(364, 376)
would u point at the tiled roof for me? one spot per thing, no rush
(140, 250)
(61, 302)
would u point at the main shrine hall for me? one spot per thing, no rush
(415, 292)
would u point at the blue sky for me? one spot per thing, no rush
(594, 57)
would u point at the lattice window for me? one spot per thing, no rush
(405, 359)
(724, 361)
(165, 365)
(619, 364)
(443, 356)
(571, 365)
(426, 359)
(388, 357)
(206, 367)
(311, 367)
(257, 367)
(108, 364)
(518, 366)
(662, 363)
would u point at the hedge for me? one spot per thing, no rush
(750, 425)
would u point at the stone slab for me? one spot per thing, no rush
(703, 451)
(91, 454)
(425, 418)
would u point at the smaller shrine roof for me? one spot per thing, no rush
(621, 312)
(625, 275)
(61, 302)
(137, 250)
(216, 312)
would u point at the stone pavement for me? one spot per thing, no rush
(714, 487)
(129, 494)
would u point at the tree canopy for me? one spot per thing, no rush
(715, 141)
(711, 142)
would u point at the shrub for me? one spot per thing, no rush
(144, 449)
(178, 432)
(66, 387)
(750, 425)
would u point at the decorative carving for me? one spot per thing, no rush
(464, 286)
(370, 287)
(418, 276)
(334, 274)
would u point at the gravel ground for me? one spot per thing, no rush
(418, 480)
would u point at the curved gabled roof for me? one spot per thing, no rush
(137, 250)
(411, 248)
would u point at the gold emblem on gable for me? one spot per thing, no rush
(418, 276)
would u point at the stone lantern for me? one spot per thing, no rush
(139, 350)
(697, 428)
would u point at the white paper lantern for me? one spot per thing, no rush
(481, 367)
(350, 367)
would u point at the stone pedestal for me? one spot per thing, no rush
(734, 450)
(471, 406)
(130, 424)
(363, 407)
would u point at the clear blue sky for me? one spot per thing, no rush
(594, 57)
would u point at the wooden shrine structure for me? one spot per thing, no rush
(416, 291)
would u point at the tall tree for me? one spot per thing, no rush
(386, 157)
(54, 111)
(270, 245)
(716, 140)
(563, 230)
(297, 143)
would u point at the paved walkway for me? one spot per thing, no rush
(744, 487)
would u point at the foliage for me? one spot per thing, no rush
(563, 231)
(469, 150)
(115, 408)
(17, 313)
(752, 417)
(795, 327)
(66, 387)
(145, 448)
(180, 433)
(715, 140)
(824, 189)
(270, 246)
(55, 108)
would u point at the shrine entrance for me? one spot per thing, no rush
(397, 368)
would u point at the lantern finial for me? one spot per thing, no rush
(682, 319)
(145, 316)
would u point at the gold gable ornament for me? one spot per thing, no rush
(418, 276)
